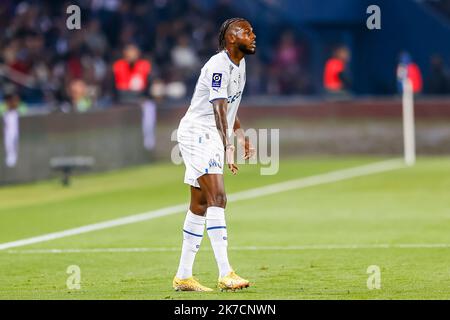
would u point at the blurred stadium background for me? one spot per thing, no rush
(64, 86)
(70, 103)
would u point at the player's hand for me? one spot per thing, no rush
(249, 150)
(229, 154)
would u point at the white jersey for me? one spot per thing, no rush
(219, 78)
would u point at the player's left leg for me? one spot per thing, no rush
(213, 190)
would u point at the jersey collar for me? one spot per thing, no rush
(226, 52)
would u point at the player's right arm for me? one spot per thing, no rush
(220, 114)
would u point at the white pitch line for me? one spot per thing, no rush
(329, 177)
(300, 183)
(244, 248)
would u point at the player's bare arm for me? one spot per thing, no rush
(220, 114)
(249, 150)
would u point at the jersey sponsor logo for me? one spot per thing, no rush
(214, 163)
(216, 80)
(231, 99)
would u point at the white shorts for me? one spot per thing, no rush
(202, 152)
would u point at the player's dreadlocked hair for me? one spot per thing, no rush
(223, 30)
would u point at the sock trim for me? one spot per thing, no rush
(193, 234)
(217, 227)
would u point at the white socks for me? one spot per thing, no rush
(217, 232)
(193, 228)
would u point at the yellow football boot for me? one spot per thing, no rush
(189, 284)
(232, 282)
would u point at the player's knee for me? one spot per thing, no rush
(199, 209)
(218, 199)
(202, 208)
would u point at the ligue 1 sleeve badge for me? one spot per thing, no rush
(216, 80)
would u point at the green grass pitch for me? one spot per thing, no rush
(403, 206)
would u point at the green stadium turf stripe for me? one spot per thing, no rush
(249, 248)
(300, 183)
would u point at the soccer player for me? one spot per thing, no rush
(204, 137)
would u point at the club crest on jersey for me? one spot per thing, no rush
(214, 163)
(216, 80)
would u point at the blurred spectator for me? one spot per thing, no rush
(11, 109)
(184, 71)
(288, 52)
(183, 56)
(288, 65)
(95, 39)
(43, 57)
(79, 96)
(12, 101)
(336, 77)
(438, 81)
(132, 83)
(131, 75)
(407, 69)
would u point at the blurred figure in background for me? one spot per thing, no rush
(438, 81)
(37, 47)
(184, 56)
(336, 77)
(185, 61)
(132, 85)
(11, 109)
(131, 75)
(407, 69)
(80, 100)
(288, 65)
